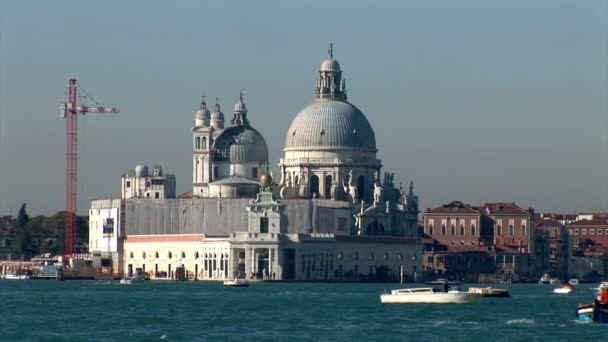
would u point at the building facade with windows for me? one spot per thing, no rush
(332, 216)
(460, 238)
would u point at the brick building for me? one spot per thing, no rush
(590, 235)
(493, 241)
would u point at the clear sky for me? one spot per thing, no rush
(475, 101)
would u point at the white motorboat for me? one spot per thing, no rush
(564, 289)
(125, 281)
(427, 295)
(546, 279)
(9, 276)
(236, 282)
(573, 281)
(489, 291)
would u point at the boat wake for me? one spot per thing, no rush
(520, 321)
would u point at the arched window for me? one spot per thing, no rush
(197, 144)
(143, 255)
(183, 255)
(328, 181)
(314, 185)
(462, 229)
(156, 255)
(204, 145)
(511, 230)
(361, 187)
(297, 180)
(196, 255)
(453, 230)
(170, 255)
(430, 230)
(473, 230)
(498, 230)
(131, 255)
(443, 232)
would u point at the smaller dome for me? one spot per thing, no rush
(203, 113)
(141, 171)
(330, 64)
(240, 107)
(217, 116)
(265, 179)
(240, 143)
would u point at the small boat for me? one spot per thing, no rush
(442, 281)
(546, 279)
(125, 281)
(427, 295)
(9, 276)
(489, 292)
(564, 289)
(573, 281)
(236, 282)
(596, 312)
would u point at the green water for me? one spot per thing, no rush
(198, 311)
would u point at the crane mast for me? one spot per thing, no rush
(70, 110)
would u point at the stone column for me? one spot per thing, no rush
(278, 269)
(270, 262)
(247, 265)
(253, 268)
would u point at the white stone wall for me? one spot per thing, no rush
(313, 259)
(171, 254)
(99, 213)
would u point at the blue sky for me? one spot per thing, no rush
(473, 100)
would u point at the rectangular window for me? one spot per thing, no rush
(576, 232)
(263, 224)
(108, 227)
(128, 184)
(215, 172)
(583, 231)
(473, 230)
(591, 231)
(600, 232)
(156, 195)
(254, 172)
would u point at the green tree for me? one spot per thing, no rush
(22, 217)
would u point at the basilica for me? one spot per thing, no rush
(330, 214)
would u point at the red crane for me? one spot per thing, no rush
(70, 110)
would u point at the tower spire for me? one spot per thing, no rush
(331, 50)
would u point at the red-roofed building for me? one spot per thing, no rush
(501, 231)
(590, 236)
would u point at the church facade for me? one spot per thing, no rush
(331, 215)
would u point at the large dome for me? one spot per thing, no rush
(241, 143)
(330, 124)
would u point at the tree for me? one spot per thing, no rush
(22, 217)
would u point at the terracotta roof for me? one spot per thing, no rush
(454, 207)
(547, 223)
(506, 249)
(505, 208)
(595, 222)
(185, 195)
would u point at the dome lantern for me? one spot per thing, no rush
(330, 84)
(240, 112)
(217, 117)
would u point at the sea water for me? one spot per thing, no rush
(203, 311)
